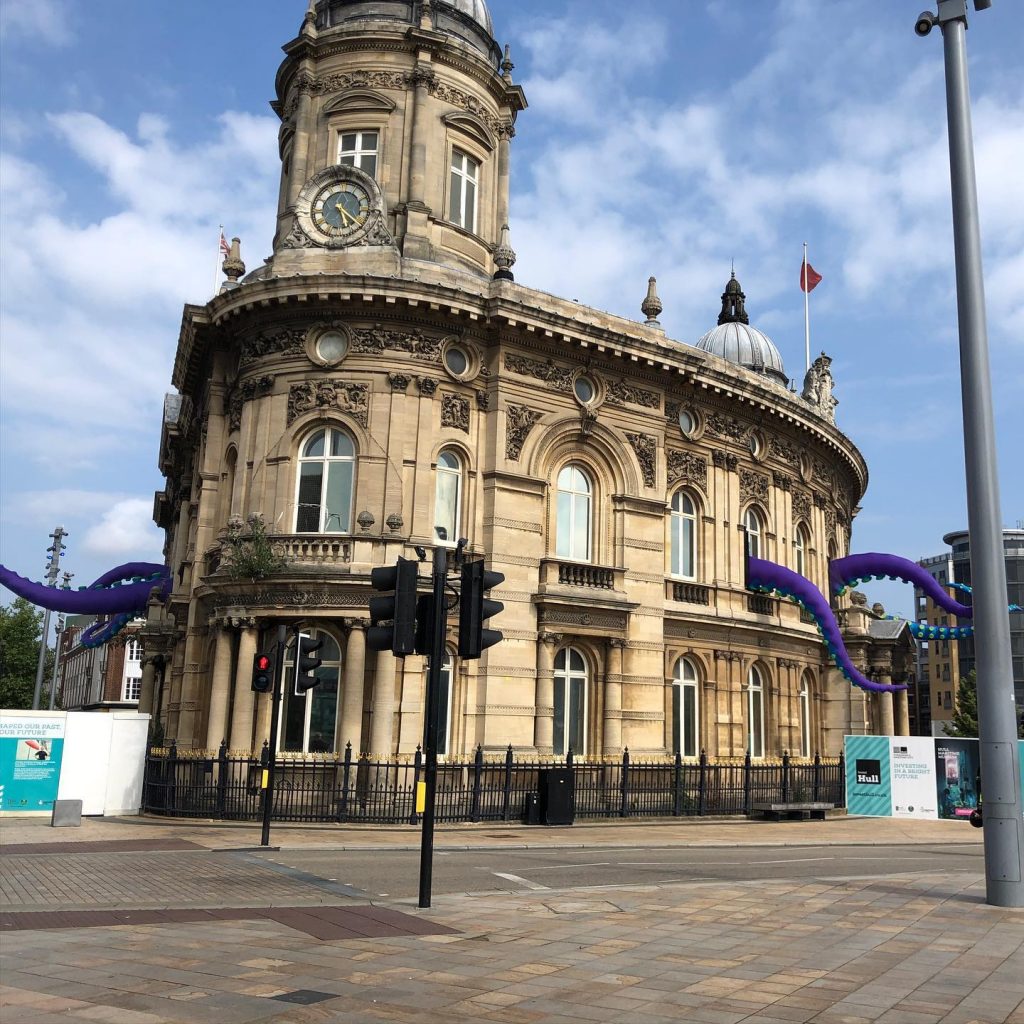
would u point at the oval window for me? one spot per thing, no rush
(754, 444)
(687, 424)
(332, 346)
(584, 390)
(456, 361)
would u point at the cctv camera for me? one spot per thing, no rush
(982, 5)
(925, 23)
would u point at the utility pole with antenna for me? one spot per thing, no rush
(52, 572)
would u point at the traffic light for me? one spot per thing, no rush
(306, 664)
(474, 608)
(262, 673)
(398, 609)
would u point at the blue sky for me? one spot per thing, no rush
(664, 138)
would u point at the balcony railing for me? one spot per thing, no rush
(806, 617)
(313, 549)
(759, 604)
(572, 574)
(690, 593)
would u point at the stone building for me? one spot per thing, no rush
(102, 678)
(383, 374)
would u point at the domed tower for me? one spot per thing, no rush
(734, 339)
(396, 120)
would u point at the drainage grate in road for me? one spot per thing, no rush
(304, 996)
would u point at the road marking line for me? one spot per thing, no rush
(522, 881)
(794, 860)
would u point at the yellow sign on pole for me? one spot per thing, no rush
(266, 779)
(421, 797)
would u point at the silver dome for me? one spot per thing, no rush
(746, 346)
(475, 9)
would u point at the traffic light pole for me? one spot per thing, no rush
(275, 701)
(433, 713)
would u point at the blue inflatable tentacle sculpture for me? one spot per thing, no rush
(769, 576)
(122, 592)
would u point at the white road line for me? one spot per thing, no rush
(522, 881)
(578, 864)
(792, 860)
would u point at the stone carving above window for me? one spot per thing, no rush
(753, 487)
(283, 343)
(398, 381)
(621, 393)
(783, 482)
(725, 426)
(427, 385)
(558, 377)
(686, 467)
(785, 451)
(415, 343)
(801, 507)
(245, 392)
(830, 522)
(723, 460)
(646, 449)
(455, 412)
(519, 421)
(329, 394)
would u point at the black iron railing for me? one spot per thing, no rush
(323, 788)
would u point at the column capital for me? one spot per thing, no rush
(550, 638)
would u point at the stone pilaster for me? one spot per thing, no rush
(242, 713)
(350, 722)
(544, 707)
(220, 689)
(382, 720)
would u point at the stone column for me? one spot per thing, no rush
(902, 706)
(382, 720)
(613, 697)
(505, 134)
(264, 701)
(350, 727)
(885, 715)
(220, 690)
(301, 143)
(147, 687)
(544, 710)
(416, 243)
(241, 716)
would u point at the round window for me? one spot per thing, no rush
(754, 444)
(584, 390)
(332, 346)
(687, 424)
(456, 361)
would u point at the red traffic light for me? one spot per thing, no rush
(262, 662)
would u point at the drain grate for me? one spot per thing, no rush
(304, 996)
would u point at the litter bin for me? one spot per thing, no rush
(557, 796)
(531, 812)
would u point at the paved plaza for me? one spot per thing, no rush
(139, 920)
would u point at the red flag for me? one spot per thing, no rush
(226, 249)
(809, 277)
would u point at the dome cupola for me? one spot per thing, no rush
(734, 339)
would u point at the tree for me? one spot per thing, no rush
(964, 722)
(21, 629)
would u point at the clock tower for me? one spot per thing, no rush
(396, 123)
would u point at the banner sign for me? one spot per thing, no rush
(914, 776)
(31, 747)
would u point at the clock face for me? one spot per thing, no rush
(341, 208)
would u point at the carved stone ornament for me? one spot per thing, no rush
(621, 393)
(365, 520)
(724, 426)
(785, 451)
(753, 486)
(395, 522)
(246, 392)
(519, 421)
(377, 340)
(329, 394)
(724, 460)
(820, 501)
(483, 400)
(281, 343)
(573, 617)
(672, 411)
(398, 381)
(783, 482)
(830, 522)
(818, 388)
(316, 200)
(455, 412)
(686, 467)
(427, 385)
(823, 474)
(646, 449)
(801, 507)
(559, 378)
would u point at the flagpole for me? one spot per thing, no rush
(220, 256)
(807, 312)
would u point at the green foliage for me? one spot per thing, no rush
(21, 628)
(964, 722)
(248, 554)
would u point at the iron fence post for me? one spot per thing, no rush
(702, 784)
(222, 778)
(842, 779)
(172, 787)
(817, 777)
(785, 777)
(506, 806)
(624, 785)
(677, 786)
(746, 783)
(478, 767)
(346, 776)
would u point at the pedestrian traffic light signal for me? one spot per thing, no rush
(397, 611)
(306, 663)
(262, 673)
(475, 608)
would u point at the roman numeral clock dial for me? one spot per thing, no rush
(341, 209)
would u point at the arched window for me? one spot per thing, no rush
(570, 702)
(755, 712)
(805, 717)
(308, 722)
(444, 719)
(685, 710)
(683, 539)
(573, 525)
(752, 521)
(448, 496)
(326, 483)
(800, 545)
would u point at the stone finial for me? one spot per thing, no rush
(233, 266)
(504, 256)
(651, 306)
(733, 303)
(426, 15)
(309, 21)
(507, 66)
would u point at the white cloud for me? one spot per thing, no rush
(45, 20)
(127, 530)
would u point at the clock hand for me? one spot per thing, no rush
(346, 216)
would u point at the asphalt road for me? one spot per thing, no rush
(395, 873)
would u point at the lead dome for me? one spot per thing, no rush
(734, 339)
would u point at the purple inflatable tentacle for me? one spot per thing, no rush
(844, 571)
(100, 632)
(131, 597)
(771, 576)
(129, 570)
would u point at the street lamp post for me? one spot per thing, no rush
(997, 718)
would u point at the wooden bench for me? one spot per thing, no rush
(793, 811)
